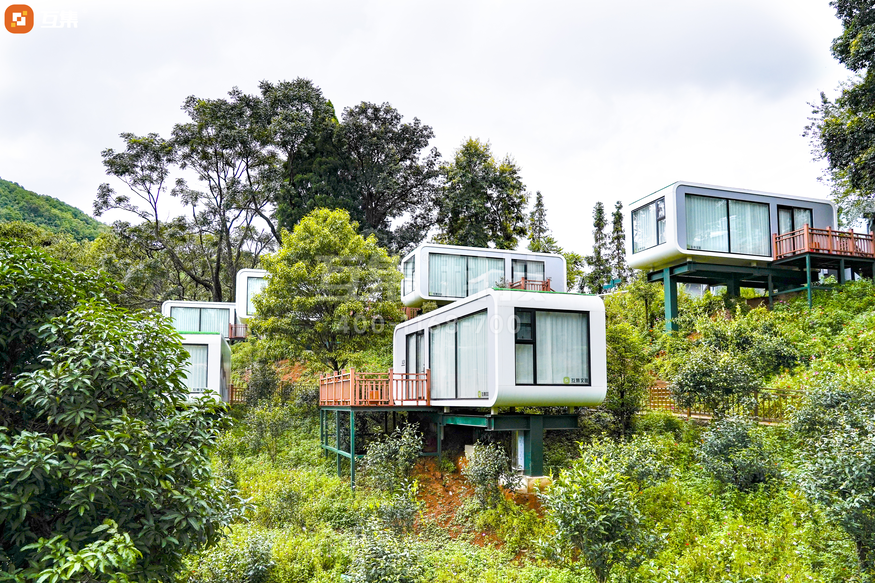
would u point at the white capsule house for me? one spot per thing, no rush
(446, 273)
(507, 348)
(249, 282)
(713, 224)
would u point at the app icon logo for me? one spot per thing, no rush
(18, 19)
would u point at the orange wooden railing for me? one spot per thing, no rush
(531, 284)
(237, 330)
(825, 241)
(236, 395)
(768, 405)
(374, 389)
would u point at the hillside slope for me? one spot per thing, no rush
(19, 204)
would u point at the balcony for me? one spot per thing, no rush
(237, 331)
(374, 389)
(824, 242)
(531, 285)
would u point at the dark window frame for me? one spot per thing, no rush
(534, 343)
(200, 316)
(467, 273)
(420, 338)
(525, 270)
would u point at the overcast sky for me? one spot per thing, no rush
(594, 100)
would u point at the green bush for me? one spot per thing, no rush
(660, 422)
(714, 379)
(388, 462)
(266, 425)
(243, 557)
(489, 468)
(733, 452)
(263, 383)
(400, 510)
(382, 557)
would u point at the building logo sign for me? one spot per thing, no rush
(18, 19)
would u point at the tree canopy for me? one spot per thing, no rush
(106, 466)
(331, 292)
(483, 201)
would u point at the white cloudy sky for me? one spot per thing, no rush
(595, 100)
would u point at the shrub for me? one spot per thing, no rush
(660, 422)
(388, 461)
(263, 382)
(733, 452)
(382, 557)
(594, 508)
(717, 380)
(267, 424)
(488, 467)
(627, 379)
(243, 557)
(399, 512)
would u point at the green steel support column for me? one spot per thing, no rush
(808, 278)
(733, 288)
(771, 291)
(440, 435)
(337, 439)
(670, 287)
(322, 430)
(842, 270)
(533, 444)
(352, 449)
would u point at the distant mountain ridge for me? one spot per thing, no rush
(20, 204)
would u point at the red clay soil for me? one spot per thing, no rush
(443, 494)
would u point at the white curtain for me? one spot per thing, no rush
(801, 217)
(411, 353)
(750, 232)
(643, 228)
(525, 370)
(442, 361)
(186, 319)
(483, 272)
(254, 285)
(531, 270)
(707, 227)
(471, 356)
(561, 348)
(196, 369)
(446, 275)
(215, 320)
(785, 221)
(409, 273)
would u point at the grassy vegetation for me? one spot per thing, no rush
(730, 502)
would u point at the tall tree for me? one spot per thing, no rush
(539, 236)
(331, 291)
(390, 172)
(483, 201)
(842, 132)
(619, 268)
(599, 274)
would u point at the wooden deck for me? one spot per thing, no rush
(237, 331)
(823, 241)
(374, 389)
(531, 285)
(770, 405)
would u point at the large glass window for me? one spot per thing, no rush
(457, 358)
(791, 219)
(196, 368)
(187, 319)
(531, 270)
(254, 286)
(459, 276)
(415, 359)
(728, 226)
(409, 270)
(648, 226)
(552, 348)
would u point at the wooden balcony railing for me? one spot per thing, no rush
(237, 331)
(825, 241)
(374, 389)
(531, 284)
(768, 406)
(236, 395)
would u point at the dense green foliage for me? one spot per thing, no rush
(105, 466)
(734, 453)
(599, 273)
(19, 204)
(488, 467)
(483, 201)
(627, 375)
(331, 292)
(388, 461)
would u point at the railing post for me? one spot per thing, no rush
(390, 388)
(853, 246)
(775, 245)
(806, 236)
(428, 387)
(353, 384)
(829, 235)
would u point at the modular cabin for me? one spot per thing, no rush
(218, 317)
(209, 367)
(508, 348)
(446, 273)
(686, 221)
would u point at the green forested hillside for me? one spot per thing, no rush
(18, 204)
